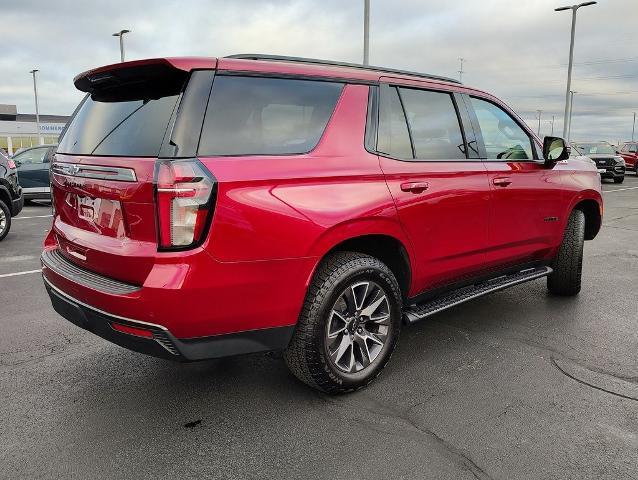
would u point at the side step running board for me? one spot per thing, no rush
(420, 311)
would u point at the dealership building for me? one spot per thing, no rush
(19, 130)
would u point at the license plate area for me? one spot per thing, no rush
(99, 215)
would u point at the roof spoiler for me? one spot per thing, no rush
(139, 79)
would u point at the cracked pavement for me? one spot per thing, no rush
(516, 385)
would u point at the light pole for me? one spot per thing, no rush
(461, 70)
(121, 35)
(633, 129)
(37, 108)
(571, 110)
(366, 32)
(540, 112)
(552, 122)
(571, 56)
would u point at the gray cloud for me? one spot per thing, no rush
(515, 50)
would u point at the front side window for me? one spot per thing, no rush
(266, 116)
(434, 125)
(504, 139)
(394, 138)
(35, 155)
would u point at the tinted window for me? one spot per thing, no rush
(504, 139)
(434, 125)
(126, 128)
(266, 116)
(394, 139)
(633, 148)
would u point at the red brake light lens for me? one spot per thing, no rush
(12, 164)
(185, 192)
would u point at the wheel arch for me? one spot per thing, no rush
(593, 216)
(388, 244)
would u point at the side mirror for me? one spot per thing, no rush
(554, 150)
(18, 163)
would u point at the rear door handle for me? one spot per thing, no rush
(415, 187)
(502, 181)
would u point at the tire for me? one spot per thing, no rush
(5, 220)
(329, 325)
(565, 280)
(619, 180)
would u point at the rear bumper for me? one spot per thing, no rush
(160, 342)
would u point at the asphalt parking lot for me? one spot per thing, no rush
(514, 385)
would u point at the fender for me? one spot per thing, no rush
(355, 228)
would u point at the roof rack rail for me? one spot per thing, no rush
(284, 58)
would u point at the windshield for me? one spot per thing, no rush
(594, 148)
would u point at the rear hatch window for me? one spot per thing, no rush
(119, 128)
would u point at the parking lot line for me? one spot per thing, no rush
(20, 273)
(620, 189)
(35, 216)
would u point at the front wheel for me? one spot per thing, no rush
(348, 326)
(619, 179)
(565, 280)
(5, 220)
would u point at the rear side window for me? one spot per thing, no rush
(119, 128)
(434, 125)
(394, 138)
(266, 116)
(504, 139)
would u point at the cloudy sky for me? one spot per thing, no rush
(517, 50)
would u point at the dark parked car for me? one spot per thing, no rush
(610, 165)
(33, 171)
(210, 207)
(11, 200)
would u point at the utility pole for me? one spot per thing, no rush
(540, 112)
(573, 8)
(571, 110)
(461, 70)
(37, 108)
(121, 35)
(366, 32)
(633, 129)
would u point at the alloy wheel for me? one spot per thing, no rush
(358, 327)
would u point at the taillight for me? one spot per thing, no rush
(12, 164)
(185, 192)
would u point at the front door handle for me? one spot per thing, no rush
(502, 181)
(414, 187)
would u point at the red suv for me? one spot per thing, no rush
(212, 207)
(629, 152)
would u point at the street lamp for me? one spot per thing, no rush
(121, 35)
(540, 112)
(571, 56)
(571, 110)
(37, 109)
(366, 32)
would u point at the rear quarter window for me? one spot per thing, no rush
(266, 116)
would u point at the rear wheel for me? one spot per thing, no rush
(619, 179)
(5, 220)
(349, 324)
(565, 280)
